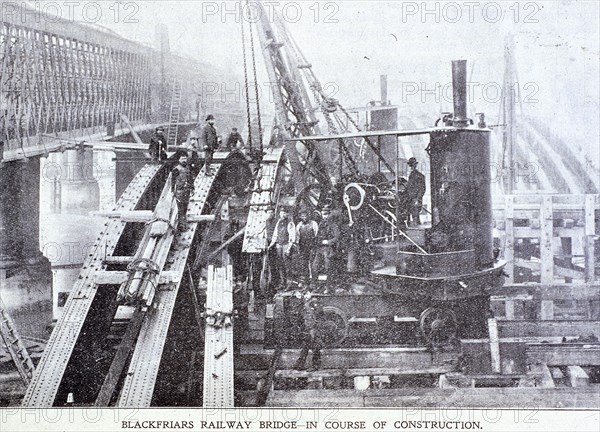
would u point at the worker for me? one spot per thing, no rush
(210, 142)
(311, 336)
(182, 184)
(326, 244)
(416, 190)
(284, 237)
(234, 139)
(404, 202)
(194, 159)
(306, 236)
(234, 249)
(158, 145)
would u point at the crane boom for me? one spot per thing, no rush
(294, 112)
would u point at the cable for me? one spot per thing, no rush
(247, 86)
(260, 131)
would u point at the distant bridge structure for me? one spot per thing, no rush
(68, 87)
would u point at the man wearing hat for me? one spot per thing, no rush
(327, 239)
(158, 145)
(284, 236)
(416, 190)
(210, 142)
(182, 184)
(233, 139)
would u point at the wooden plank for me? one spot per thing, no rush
(577, 376)
(588, 241)
(575, 291)
(351, 373)
(546, 236)
(120, 360)
(565, 354)
(562, 328)
(509, 310)
(506, 397)
(494, 344)
(509, 239)
(547, 310)
(343, 358)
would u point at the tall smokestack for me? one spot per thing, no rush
(459, 92)
(384, 90)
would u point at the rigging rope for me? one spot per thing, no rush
(247, 91)
(260, 131)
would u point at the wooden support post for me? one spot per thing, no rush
(546, 250)
(509, 309)
(547, 310)
(509, 242)
(494, 344)
(577, 376)
(588, 241)
(546, 377)
(557, 374)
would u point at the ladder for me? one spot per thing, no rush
(15, 345)
(174, 114)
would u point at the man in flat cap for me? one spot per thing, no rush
(210, 142)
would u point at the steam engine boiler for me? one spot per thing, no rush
(433, 287)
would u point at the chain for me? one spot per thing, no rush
(349, 160)
(368, 141)
(246, 81)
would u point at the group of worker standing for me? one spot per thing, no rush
(307, 248)
(188, 162)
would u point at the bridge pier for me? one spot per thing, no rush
(80, 193)
(10, 240)
(20, 215)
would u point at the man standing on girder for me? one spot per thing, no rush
(416, 190)
(158, 145)
(182, 184)
(210, 142)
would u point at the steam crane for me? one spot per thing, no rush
(294, 112)
(427, 284)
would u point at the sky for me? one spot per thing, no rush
(351, 43)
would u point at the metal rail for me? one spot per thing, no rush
(218, 342)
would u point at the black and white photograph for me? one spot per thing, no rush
(299, 215)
